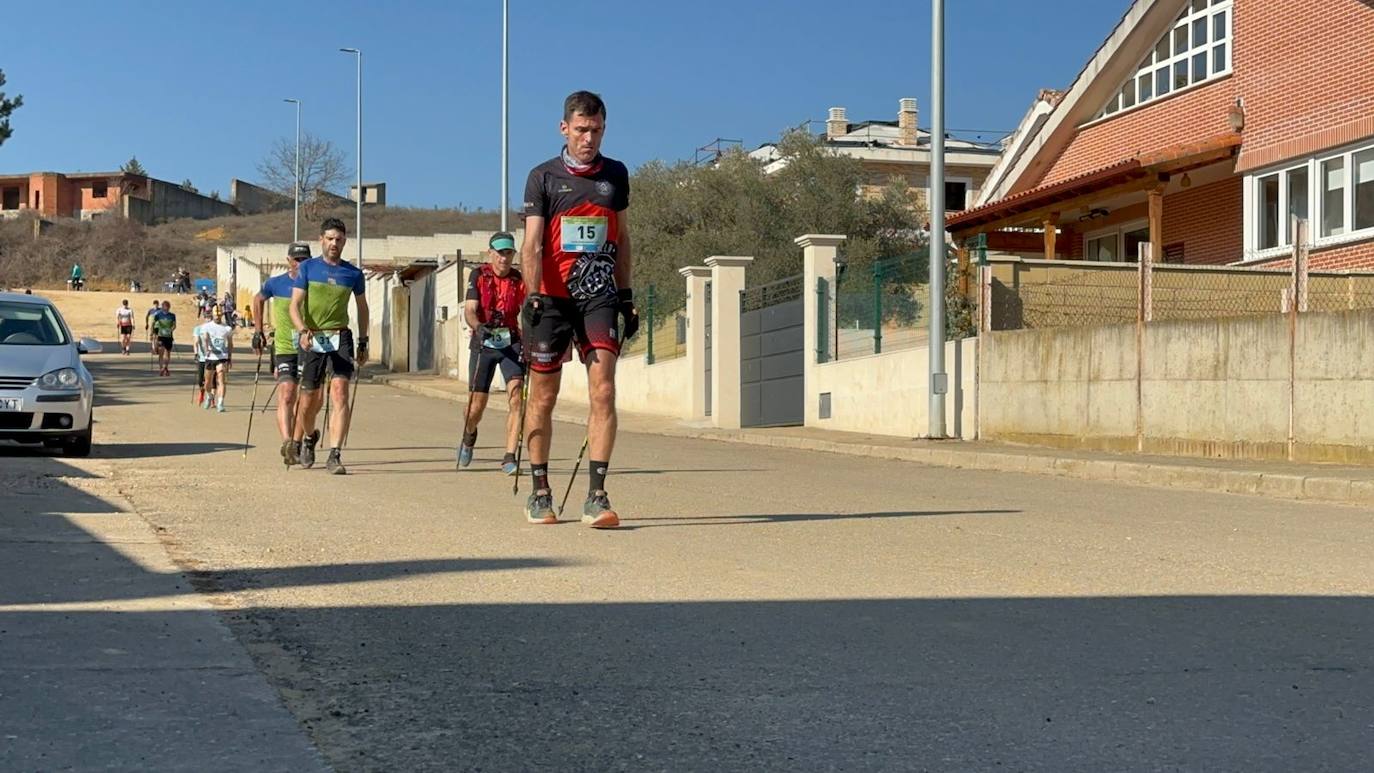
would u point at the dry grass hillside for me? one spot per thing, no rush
(115, 252)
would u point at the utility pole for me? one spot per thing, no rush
(939, 380)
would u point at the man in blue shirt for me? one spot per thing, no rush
(285, 355)
(164, 327)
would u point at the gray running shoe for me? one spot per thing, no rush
(335, 463)
(289, 452)
(539, 507)
(307, 452)
(597, 512)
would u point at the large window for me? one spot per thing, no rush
(1196, 49)
(1119, 244)
(1334, 190)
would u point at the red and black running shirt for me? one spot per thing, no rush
(581, 211)
(498, 297)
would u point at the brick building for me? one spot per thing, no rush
(1199, 126)
(88, 195)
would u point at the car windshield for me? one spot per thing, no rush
(29, 324)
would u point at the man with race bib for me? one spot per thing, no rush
(217, 342)
(577, 263)
(164, 328)
(285, 357)
(319, 312)
(492, 309)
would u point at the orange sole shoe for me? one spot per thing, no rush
(607, 520)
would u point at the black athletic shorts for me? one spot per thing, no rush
(484, 361)
(165, 342)
(126, 330)
(287, 367)
(200, 371)
(313, 363)
(593, 323)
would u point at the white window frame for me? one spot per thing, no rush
(1119, 231)
(1185, 19)
(1315, 203)
(968, 190)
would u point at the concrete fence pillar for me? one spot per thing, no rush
(727, 282)
(818, 262)
(697, 277)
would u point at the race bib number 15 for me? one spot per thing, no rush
(583, 234)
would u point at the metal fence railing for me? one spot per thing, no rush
(882, 308)
(1029, 294)
(662, 327)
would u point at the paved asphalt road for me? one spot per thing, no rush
(763, 609)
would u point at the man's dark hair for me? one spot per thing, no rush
(584, 102)
(333, 224)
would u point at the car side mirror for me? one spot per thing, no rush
(89, 346)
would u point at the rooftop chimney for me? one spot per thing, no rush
(837, 125)
(906, 121)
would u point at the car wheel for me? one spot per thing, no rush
(80, 445)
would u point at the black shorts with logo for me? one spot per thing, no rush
(287, 367)
(166, 343)
(593, 322)
(484, 361)
(313, 362)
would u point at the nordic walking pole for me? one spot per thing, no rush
(252, 406)
(270, 395)
(576, 467)
(352, 401)
(524, 401)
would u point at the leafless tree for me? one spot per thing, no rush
(322, 166)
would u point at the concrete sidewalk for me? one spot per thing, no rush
(109, 657)
(1339, 484)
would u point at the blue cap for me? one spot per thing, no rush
(502, 241)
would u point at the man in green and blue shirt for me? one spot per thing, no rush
(319, 311)
(164, 328)
(285, 356)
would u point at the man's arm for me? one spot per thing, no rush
(364, 319)
(532, 253)
(470, 314)
(624, 255)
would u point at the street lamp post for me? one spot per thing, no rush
(505, 111)
(938, 383)
(296, 230)
(358, 226)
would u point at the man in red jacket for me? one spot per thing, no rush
(496, 291)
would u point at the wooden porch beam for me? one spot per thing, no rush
(1050, 224)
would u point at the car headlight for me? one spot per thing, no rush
(62, 378)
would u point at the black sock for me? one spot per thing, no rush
(541, 476)
(596, 472)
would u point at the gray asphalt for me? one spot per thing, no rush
(764, 609)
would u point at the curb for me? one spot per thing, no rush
(1325, 489)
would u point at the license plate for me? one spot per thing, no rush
(11, 403)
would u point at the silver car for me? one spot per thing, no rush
(46, 393)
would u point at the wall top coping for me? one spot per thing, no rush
(820, 240)
(695, 271)
(729, 261)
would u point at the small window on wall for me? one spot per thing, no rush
(99, 189)
(956, 194)
(1193, 51)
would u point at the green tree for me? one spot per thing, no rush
(186, 185)
(133, 167)
(7, 106)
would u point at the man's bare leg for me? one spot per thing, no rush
(602, 424)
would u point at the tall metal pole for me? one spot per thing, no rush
(296, 231)
(505, 111)
(938, 378)
(358, 226)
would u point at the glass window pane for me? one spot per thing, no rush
(1199, 67)
(1180, 39)
(1364, 189)
(1219, 26)
(1333, 197)
(1162, 81)
(1297, 195)
(1219, 58)
(1268, 212)
(1162, 50)
(1145, 64)
(1199, 5)
(1145, 87)
(1128, 95)
(1180, 74)
(1199, 32)
(1110, 108)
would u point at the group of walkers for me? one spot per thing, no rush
(574, 290)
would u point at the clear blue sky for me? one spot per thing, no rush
(195, 88)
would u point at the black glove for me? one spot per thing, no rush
(535, 305)
(258, 341)
(362, 348)
(626, 306)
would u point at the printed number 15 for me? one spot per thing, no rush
(586, 232)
